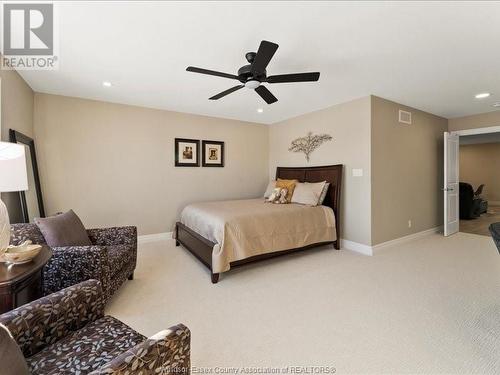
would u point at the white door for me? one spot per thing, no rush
(451, 186)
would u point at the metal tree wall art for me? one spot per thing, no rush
(309, 143)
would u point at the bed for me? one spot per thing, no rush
(256, 230)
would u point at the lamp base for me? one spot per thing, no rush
(4, 229)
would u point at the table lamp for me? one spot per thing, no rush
(13, 177)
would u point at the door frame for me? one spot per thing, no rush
(485, 130)
(464, 132)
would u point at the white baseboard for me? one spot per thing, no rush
(344, 244)
(372, 250)
(411, 237)
(357, 247)
(154, 237)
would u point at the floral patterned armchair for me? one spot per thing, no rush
(111, 259)
(67, 333)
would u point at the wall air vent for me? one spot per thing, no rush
(404, 117)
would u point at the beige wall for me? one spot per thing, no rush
(114, 164)
(480, 164)
(482, 120)
(17, 104)
(407, 169)
(349, 125)
(16, 113)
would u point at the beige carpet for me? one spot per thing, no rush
(430, 306)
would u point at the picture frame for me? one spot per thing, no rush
(187, 152)
(212, 153)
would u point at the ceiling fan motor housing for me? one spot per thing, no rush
(245, 73)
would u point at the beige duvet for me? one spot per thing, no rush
(244, 228)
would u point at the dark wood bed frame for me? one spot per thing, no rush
(201, 248)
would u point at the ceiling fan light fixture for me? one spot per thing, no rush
(252, 84)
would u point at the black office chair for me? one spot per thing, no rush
(470, 207)
(483, 206)
(479, 191)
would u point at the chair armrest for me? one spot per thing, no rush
(70, 265)
(113, 236)
(167, 352)
(46, 320)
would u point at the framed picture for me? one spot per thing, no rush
(212, 154)
(186, 152)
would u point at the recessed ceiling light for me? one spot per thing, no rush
(107, 84)
(497, 104)
(260, 110)
(482, 95)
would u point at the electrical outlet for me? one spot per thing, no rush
(409, 223)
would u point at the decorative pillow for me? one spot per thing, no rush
(274, 195)
(63, 230)
(323, 194)
(270, 187)
(278, 196)
(282, 198)
(11, 358)
(308, 193)
(289, 185)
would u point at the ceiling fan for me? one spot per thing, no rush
(253, 75)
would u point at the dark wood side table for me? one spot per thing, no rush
(22, 283)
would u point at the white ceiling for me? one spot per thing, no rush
(434, 56)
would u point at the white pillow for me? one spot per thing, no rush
(308, 193)
(270, 188)
(323, 194)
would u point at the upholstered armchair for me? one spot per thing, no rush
(111, 258)
(67, 333)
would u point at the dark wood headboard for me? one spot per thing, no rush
(328, 173)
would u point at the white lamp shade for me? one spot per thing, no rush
(13, 176)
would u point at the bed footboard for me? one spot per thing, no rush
(197, 245)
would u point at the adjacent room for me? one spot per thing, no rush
(479, 175)
(249, 187)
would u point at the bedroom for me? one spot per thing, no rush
(397, 297)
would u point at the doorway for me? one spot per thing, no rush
(472, 180)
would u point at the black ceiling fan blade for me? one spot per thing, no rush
(211, 72)
(227, 92)
(264, 55)
(266, 94)
(295, 77)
